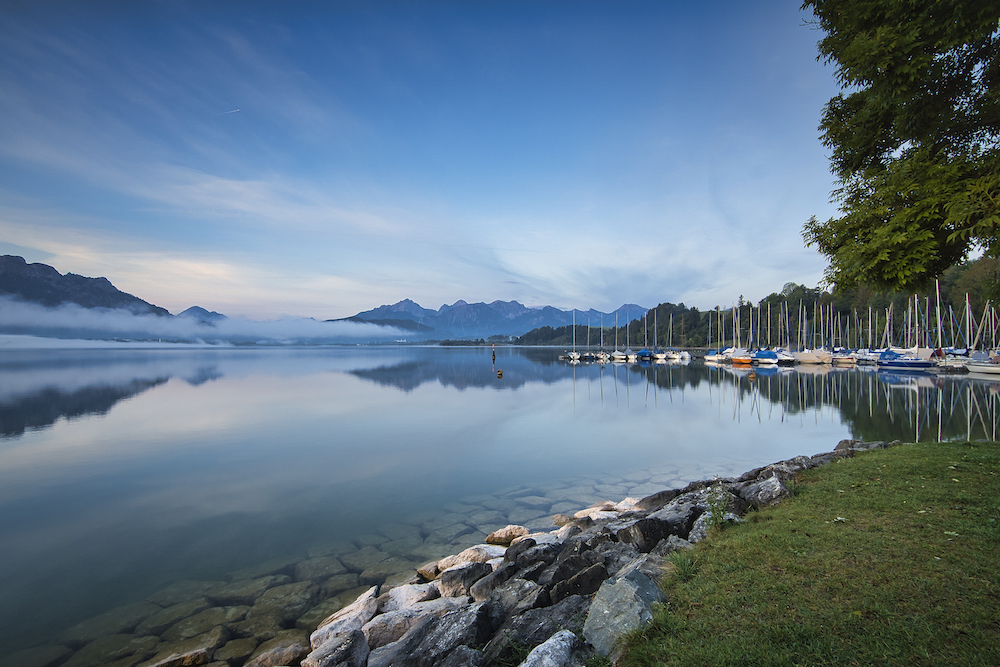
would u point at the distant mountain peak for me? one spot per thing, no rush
(42, 284)
(202, 315)
(481, 320)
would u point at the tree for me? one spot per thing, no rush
(915, 140)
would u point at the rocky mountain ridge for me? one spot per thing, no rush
(498, 318)
(43, 285)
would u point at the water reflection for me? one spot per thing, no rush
(874, 404)
(125, 470)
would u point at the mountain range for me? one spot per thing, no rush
(464, 320)
(43, 285)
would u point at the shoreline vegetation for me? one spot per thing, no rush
(890, 558)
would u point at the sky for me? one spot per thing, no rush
(317, 159)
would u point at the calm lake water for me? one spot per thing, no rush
(125, 470)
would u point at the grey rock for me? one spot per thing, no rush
(702, 525)
(183, 591)
(236, 651)
(339, 583)
(399, 651)
(458, 580)
(163, 619)
(246, 591)
(348, 649)
(318, 569)
(370, 540)
(449, 534)
(407, 546)
(391, 626)
(203, 622)
(194, 651)
(284, 565)
(115, 647)
(468, 626)
(37, 656)
(315, 616)
(463, 656)
(671, 543)
(764, 492)
(361, 560)
(514, 597)
(407, 596)
(482, 589)
(531, 628)
(350, 618)
(285, 603)
(479, 553)
(584, 582)
(118, 621)
(377, 573)
(287, 648)
(649, 564)
(620, 605)
(556, 651)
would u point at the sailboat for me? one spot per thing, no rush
(658, 354)
(629, 354)
(574, 355)
(617, 356)
(644, 353)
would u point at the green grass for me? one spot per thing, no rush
(888, 558)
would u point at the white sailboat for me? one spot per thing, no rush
(617, 356)
(574, 355)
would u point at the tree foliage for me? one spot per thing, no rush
(914, 139)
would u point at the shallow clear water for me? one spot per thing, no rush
(122, 471)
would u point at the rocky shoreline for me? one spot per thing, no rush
(520, 595)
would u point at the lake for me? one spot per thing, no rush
(123, 471)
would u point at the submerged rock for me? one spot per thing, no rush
(121, 620)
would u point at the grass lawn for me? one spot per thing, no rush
(891, 557)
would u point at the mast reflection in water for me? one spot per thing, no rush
(874, 404)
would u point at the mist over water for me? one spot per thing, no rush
(125, 470)
(72, 321)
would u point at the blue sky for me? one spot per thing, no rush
(317, 159)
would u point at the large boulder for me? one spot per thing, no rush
(347, 649)
(350, 618)
(504, 536)
(407, 596)
(287, 648)
(621, 604)
(556, 651)
(515, 597)
(529, 629)
(457, 581)
(468, 626)
(764, 492)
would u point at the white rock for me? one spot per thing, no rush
(406, 596)
(351, 617)
(479, 553)
(556, 651)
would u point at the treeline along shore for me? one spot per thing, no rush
(960, 305)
